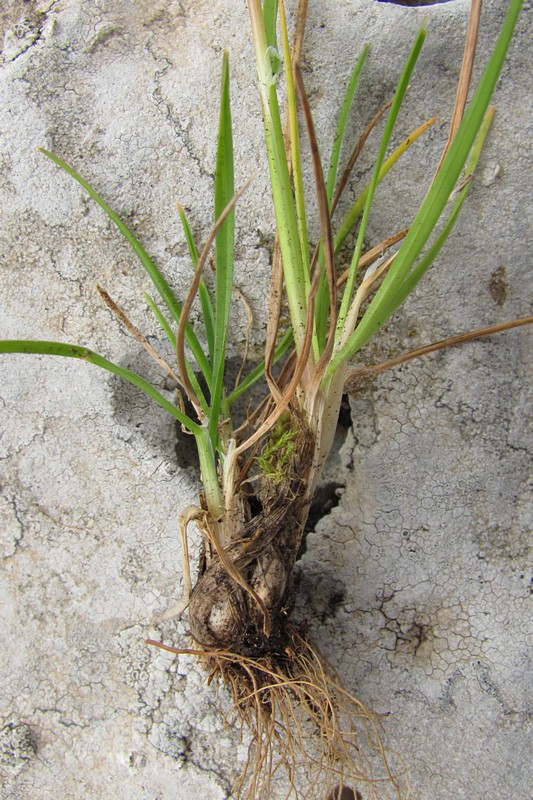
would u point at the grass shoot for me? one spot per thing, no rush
(258, 479)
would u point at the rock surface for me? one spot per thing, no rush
(417, 585)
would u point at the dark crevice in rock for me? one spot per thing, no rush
(326, 498)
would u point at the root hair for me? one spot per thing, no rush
(308, 737)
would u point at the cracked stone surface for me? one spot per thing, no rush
(417, 583)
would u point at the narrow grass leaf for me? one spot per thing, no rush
(325, 218)
(350, 219)
(322, 297)
(403, 84)
(427, 260)
(390, 293)
(294, 138)
(156, 276)
(224, 249)
(341, 124)
(270, 13)
(203, 291)
(280, 181)
(85, 354)
(166, 326)
(171, 336)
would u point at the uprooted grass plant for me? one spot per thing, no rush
(258, 479)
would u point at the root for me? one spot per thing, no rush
(308, 737)
(243, 594)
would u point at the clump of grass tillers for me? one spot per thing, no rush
(258, 480)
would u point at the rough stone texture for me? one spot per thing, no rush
(417, 584)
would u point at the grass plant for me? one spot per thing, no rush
(258, 480)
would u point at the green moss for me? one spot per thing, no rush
(279, 449)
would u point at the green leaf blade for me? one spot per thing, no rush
(270, 14)
(342, 122)
(403, 273)
(203, 291)
(157, 278)
(401, 90)
(40, 347)
(224, 249)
